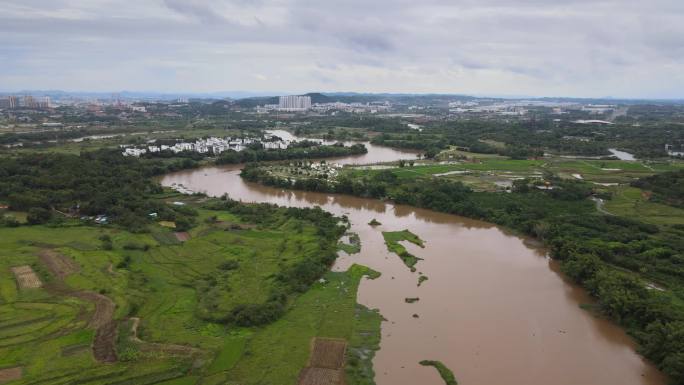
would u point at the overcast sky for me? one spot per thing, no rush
(620, 48)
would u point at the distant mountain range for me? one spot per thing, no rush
(251, 99)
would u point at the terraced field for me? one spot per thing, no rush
(143, 312)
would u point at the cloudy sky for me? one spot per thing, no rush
(620, 48)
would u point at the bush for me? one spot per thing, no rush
(256, 314)
(38, 215)
(125, 262)
(136, 246)
(9, 222)
(183, 224)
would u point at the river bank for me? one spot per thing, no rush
(494, 309)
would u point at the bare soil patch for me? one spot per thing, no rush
(26, 277)
(104, 308)
(104, 349)
(325, 364)
(60, 265)
(182, 236)
(328, 353)
(102, 320)
(321, 376)
(10, 374)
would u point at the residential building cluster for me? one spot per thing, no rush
(26, 101)
(515, 107)
(303, 103)
(372, 108)
(212, 145)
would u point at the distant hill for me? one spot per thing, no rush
(252, 99)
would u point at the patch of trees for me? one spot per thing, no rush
(42, 136)
(533, 137)
(94, 183)
(434, 142)
(369, 123)
(667, 187)
(301, 150)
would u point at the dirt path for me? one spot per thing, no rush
(102, 320)
(171, 349)
(104, 345)
(600, 208)
(104, 308)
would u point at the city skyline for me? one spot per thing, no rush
(621, 49)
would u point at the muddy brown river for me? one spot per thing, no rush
(495, 308)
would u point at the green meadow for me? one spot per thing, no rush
(482, 172)
(632, 202)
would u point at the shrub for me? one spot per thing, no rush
(38, 215)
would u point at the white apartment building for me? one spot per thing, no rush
(294, 103)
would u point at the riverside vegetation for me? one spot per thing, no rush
(634, 269)
(231, 294)
(444, 372)
(392, 239)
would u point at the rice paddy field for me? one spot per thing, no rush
(138, 313)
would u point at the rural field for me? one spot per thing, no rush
(99, 305)
(490, 173)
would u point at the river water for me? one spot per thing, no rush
(495, 308)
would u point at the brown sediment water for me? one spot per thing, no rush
(495, 308)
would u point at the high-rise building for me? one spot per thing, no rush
(29, 101)
(8, 102)
(294, 103)
(12, 101)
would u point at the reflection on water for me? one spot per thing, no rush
(495, 308)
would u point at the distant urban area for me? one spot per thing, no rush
(30, 118)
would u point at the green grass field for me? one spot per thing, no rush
(493, 172)
(632, 203)
(45, 331)
(275, 354)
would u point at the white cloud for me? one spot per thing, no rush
(541, 47)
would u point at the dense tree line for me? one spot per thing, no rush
(40, 136)
(350, 120)
(93, 183)
(587, 243)
(300, 150)
(533, 137)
